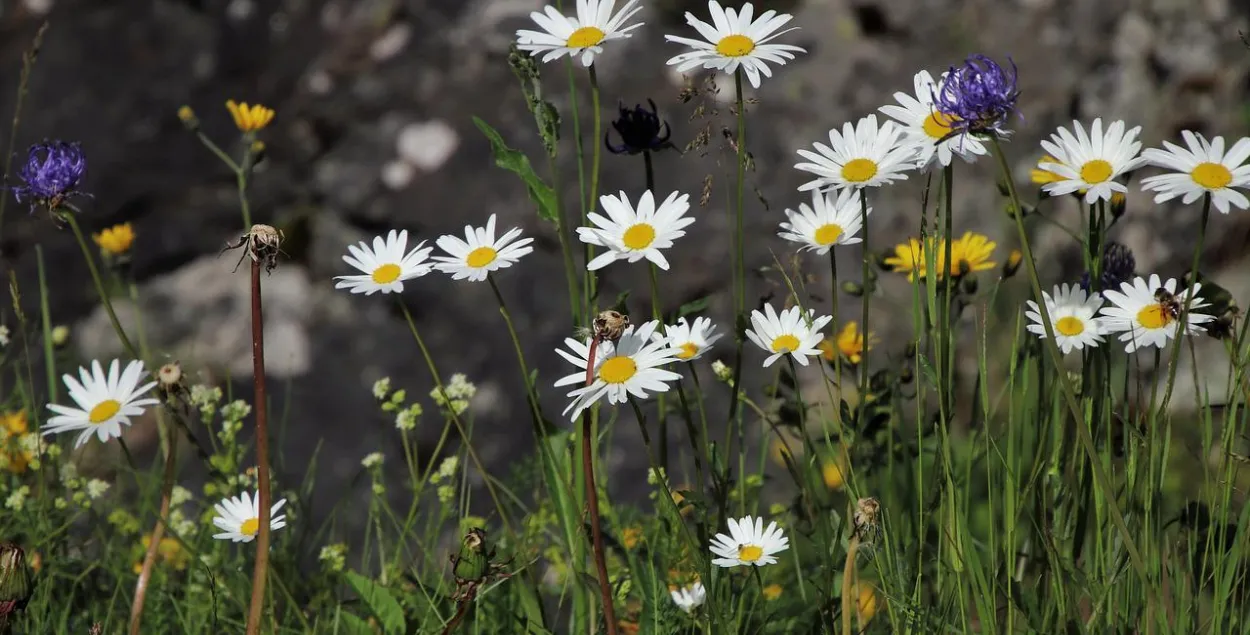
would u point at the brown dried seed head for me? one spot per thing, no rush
(170, 374)
(610, 325)
(866, 515)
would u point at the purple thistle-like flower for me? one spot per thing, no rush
(52, 171)
(978, 96)
(1118, 265)
(640, 130)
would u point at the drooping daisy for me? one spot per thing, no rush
(864, 155)
(239, 517)
(830, 220)
(480, 253)
(584, 35)
(632, 234)
(792, 332)
(630, 366)
(748, 543)
(690, 340)
(736, 40)
(105, 403)
(1072, 316)
(1203, 168)
(689, 598)
(386, 266)
(929, 129)
(1091, 162)
(1146, 313)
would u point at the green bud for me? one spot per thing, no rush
(852, 289)
(473, 561)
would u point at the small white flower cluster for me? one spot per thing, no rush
(333, 557)
(442, 478)
(455, 395)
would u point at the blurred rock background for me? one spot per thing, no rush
(373, 132)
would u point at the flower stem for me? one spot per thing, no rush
(241, 178)
(592, 198)
(848, 581)
(592, 501)
(740, 185)
(28, 64)
(867, 294)
(535, 411)
(1182, 329)
(99, 284)
(260, 572)
(661, 412)
(158, 533)
(562, 233)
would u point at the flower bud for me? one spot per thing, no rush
(188, 118)
(15, 586)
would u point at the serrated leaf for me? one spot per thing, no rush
(516, 162)
(384, 606)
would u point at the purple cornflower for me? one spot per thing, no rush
(978, 96)
(1118, 265)
(52, 172)
(641, 130)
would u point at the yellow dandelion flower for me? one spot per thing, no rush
(850, 342)
(909, 259)
(867, 604)
(115, 240)
(1041, 176)
(969, 254)
(832, 474)
(249, 118)
(16, 423)
(631, 536)
(771, 592)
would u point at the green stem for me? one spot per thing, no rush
(867, 294)
(562, 233)
(661, 412)
(28, 64)
(241, 178)
(70, 218)
(740, 185)
(1182, 327)
(592, 198)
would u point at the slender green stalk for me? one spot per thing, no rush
(1182, 330)
(562, 233)
(72, 220)
(592, 196)
(661, 411)
(45, 319)
(28, 64)
(739, 187)
(867, 289)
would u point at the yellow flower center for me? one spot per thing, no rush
(618, 370)
(1154, 316)
(785, 344)
(386, 274)
(480, 257)
(688, 350)
(1095, 171)
(735, 45)
(250, 527)
(1212, 176)
(1070, 326)
(749, 553)
(639, 236)
(584, 37)
(828, 234)
(859, 170)
(104, 411)
(938, 125)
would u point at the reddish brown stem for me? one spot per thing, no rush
(158, 532)
(592, 499)
(262, 456)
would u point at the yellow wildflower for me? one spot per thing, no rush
(249, 118)
(970, 253)
(631, 536)
(1040, 176)
(850, 342)
(867, 604)
(831, 472)
(771, 592)
(909, 259)
(16, 423)
(115, 240)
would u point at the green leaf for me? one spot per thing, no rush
(349, 624)
(380, 601)
(516, 162)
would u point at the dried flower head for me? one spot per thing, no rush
(865, 520)
(263, 243)
(51, 174)
(979, 96)
(1118, 265)
(169, 379)
(609, 325)
(249, 118)
(641, 130)
(15, 587)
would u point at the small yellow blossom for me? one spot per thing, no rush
(60, 335)
(832, 474)
(1042, 177)
(249, 118)
(908, 258)
(868, 603)
(850, 342)
(969, 254)
(631, 536)
(168, 551)
(771, 592)
(115, 240)
(16, 422)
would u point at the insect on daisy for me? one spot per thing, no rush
(584, 35)
(864, 155)
(1090, 163)
(1202, 168)
(239, 517)
(1148, 313)
(929, 129)
(830, 220)
(690, 340)
(386, 266)
(105, 402)
(480, 253)
(632, 234)
(629, 366)
(689, 598)
(793, 332)
(749, 543)
(1072, 316)
(734, 40)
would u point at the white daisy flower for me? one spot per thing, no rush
(105, 403)
(793, 332)
(1146, 313)
(927, 129)
(480, 253)
(865, 155)
(584, 35)
(748, 543)
(1203, 168)
(631, 366)
(735, 40)
(827, 222)
(632, 234)
(690, 340)
(1091, 163)
(239, 517)
(386, 266)
(690, 597)
(1072, 316)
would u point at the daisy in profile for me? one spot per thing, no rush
(632, 234)
(749, 543)
(105, 402)
(584, 35)
(734, 40)
(793, 332)
(629, 366)
(239, 517)
(1202, 168)
(831, 219)
(928, 129)
(386, 266)
(689, 598)
(690, 340)
(1147, 313)
(480, 252)
(1072, 316)
(1090, 163)
(864, 155)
